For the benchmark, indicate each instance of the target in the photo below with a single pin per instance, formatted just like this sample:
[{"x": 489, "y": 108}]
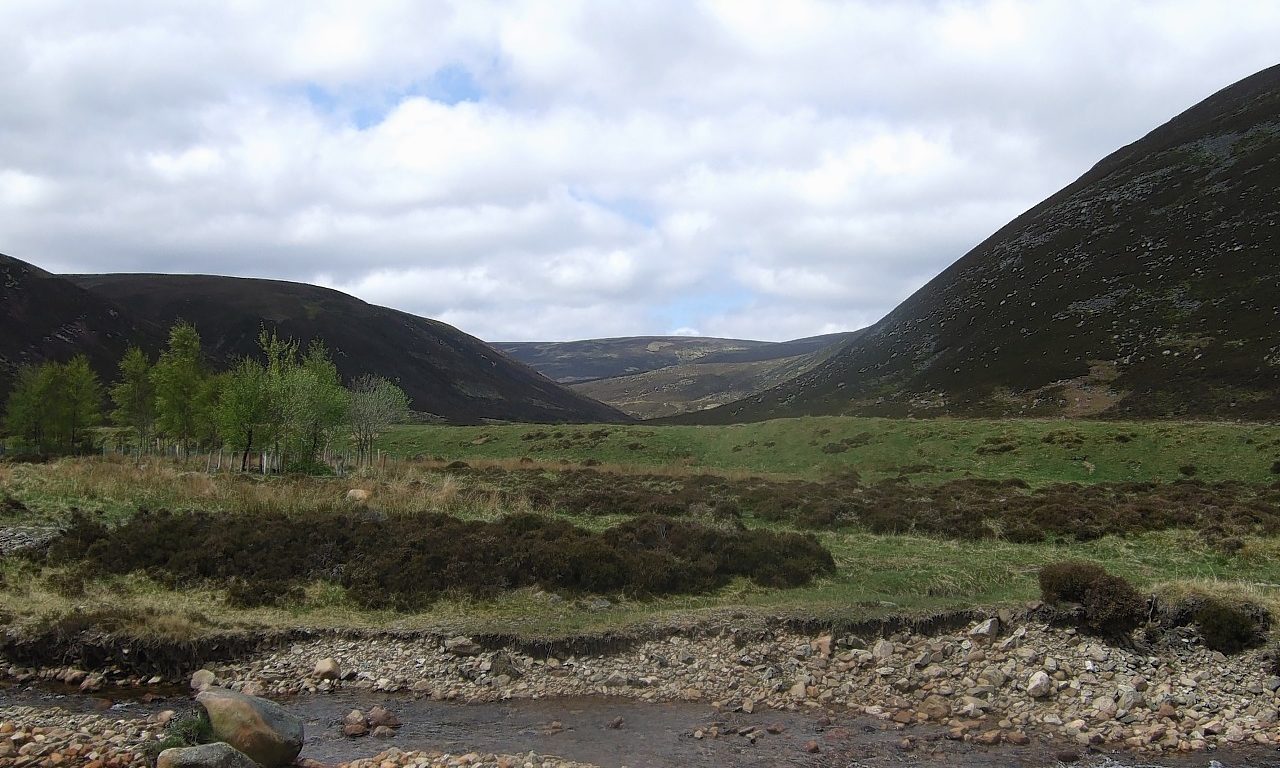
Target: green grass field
[
  {"x": 1038, "y": 452},
  {"x": 876, "y": 574}
]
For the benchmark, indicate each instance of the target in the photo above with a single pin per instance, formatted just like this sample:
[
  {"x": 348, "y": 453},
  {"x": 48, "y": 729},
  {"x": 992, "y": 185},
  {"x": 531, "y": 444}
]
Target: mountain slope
[
  {"x": 572, "y": 361},
  {"x": 718, "y": 378},
  {"x": 46, "y": 317},
  {"x": 443, "y": 371},
  {"x": 590, "y": 359},
  {"x": 1150, "y": 287}
]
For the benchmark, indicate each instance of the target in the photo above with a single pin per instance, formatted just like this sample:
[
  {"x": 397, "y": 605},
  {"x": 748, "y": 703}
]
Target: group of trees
[{"x": 290, "y": 403}]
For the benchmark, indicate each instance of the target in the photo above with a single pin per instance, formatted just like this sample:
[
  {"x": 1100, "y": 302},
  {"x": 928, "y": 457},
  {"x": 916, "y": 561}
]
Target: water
[{"x": 650, "y": 734}]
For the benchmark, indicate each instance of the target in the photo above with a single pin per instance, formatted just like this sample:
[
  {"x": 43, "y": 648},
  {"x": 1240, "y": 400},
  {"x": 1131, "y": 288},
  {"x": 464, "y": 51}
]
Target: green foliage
[
  {"x": 189, "y": 730},
  {"x": 134, "y": 396},
  {"x": 1109, "y": 603},
  {"x": 242, "y": 408},
  {"x": 179, "y": 377},
  {"x": 53, "y": 406}
]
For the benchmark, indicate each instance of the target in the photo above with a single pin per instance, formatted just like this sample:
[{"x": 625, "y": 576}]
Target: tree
[
  {"x": 318, "y": 404},
  {"x": 134, "y": 396},
  {"x": 375, "y": 405},
  {"x": 243, "y": 407},
  {"x": 52, "y": 406},
  {"x": 178, "y": 376},
  {"x": 27, "y": 411},
  {"x": 81, "y": 401}
]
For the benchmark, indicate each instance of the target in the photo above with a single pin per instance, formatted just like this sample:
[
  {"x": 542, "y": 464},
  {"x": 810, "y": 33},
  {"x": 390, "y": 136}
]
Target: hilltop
[{"x": 1148, "y": 288}]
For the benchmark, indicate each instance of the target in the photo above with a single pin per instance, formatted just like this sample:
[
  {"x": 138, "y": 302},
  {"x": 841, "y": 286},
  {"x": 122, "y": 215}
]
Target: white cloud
[{"x": 572, "y": 169}]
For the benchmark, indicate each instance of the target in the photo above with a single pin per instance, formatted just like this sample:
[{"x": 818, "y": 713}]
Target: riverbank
[{"x": 1014, "y": 682}]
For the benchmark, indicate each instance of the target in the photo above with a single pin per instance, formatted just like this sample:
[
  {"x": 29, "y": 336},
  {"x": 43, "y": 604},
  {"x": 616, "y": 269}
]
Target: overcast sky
[{"x": 558, "y": 170}]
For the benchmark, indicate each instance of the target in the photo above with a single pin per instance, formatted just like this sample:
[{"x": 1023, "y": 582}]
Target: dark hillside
[
  {"x": 1150, "y": 287},
  {"x": 445, "y": 372},
  {"x": 47, "y": 317}
]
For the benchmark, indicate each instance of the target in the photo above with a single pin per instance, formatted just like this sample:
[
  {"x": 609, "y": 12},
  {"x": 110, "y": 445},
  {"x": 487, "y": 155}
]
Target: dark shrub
[
  {"x": 1188, "y": 470},
  {"x": 1232, "y": 627},
  {"x": 1275, "y": 468},
  {"x": 835, "y": 448},
  {"x": 1111, "y": 605},
  {"x": 406, "y": 562}
]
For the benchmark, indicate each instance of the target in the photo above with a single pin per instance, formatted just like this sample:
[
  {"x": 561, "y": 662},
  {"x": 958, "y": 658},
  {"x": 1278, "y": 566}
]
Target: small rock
[
  {"x": 615, "y": 723},
  {"x": 381, "y": 717},
  {"x": 1039, "y": 685},
  {"x": 383, "y": 732},
  {"x": 812, "y": 747},
  {"x": 327, "y": 669},
  {"x": 201, "y": 679},
  {"x": 986, "y": 631},
  {"x": 462, "y": 646}
]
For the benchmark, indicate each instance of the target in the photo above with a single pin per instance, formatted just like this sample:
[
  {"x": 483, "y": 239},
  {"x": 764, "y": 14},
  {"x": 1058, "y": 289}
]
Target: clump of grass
[
  {"x": 1231, "y": 627},
  {"x": 187, "y": 730}
]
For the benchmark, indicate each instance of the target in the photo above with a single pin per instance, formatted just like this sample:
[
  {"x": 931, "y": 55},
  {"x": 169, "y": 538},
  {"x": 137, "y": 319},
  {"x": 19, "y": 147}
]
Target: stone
[
  {"x": 216, "y": 755},
  {"x": 261, "y": 729},
  {"x": 201, "y": 679},
  {"x": 383, "y": 732},
  {"x": 1017, "y": 738},
  {"x": 358, "y": 496},
  {"x": 381, "y": 717},
  {"x": 883, "y": 649},
  {"x": 936, "y": 708},
  {"x": 462, "y": 646},
  {"x": 1105, "y": 706},
  {"x": 327, "y": 669},
  {"x": 1039, "y": 685},
  {"x": 988, "y": 738},
  {"x": 1130, "y": 699},
  {"x": 748, "y": 705},
  {"x": 986, "y": 631},
  {"x": 812, "y": 747}
]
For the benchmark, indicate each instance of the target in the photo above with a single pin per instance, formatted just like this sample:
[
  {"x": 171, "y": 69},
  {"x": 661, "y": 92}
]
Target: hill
[
  {"x": 445, "y": 372},
  {"x": 1148, "y": 288},
  {"x": 573, "y": 361},
  {"x": 716, "y": 379},
  {"x": 46, "y": 317}
]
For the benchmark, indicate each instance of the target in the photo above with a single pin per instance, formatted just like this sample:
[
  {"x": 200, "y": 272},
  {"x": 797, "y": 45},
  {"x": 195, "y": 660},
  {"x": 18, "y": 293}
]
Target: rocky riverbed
[{"x": 1014, "y": 687}]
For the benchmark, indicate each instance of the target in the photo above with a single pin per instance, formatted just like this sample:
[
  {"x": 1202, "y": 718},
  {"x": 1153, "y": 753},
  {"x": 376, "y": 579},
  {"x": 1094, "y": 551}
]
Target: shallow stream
[{"x": 649, "y": 735}]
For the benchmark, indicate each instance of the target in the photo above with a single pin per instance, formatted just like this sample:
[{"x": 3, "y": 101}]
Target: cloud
[{"x": 532, "y": 170}]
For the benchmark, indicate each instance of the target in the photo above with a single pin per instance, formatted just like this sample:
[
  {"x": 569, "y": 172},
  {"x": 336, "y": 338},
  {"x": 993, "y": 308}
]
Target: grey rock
[{"x": 217, "y": 755}]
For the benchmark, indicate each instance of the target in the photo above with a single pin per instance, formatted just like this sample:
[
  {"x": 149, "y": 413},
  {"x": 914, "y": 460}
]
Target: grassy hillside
[
  {"x": 589, "y": 359},
  {"x": 928, "y": 451},
  {"x": 695, "y": 386},
  {"x": 1147, "y": 288}
]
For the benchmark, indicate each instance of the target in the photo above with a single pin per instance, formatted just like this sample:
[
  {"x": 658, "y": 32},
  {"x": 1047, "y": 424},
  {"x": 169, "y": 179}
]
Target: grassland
[
  {"x": 928, "y": 451},
  {"x": 876, "y": 573}
]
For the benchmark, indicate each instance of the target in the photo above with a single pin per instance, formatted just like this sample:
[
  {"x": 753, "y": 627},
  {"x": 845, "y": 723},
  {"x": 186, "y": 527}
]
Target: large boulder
[
  {"x": 261, "y": 729},
  {"x": 218, "y": 755}
]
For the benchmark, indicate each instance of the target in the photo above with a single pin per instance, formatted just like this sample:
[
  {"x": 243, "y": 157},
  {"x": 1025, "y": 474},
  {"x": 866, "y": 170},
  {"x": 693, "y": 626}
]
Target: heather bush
[{"x": 1109, "y": 603}]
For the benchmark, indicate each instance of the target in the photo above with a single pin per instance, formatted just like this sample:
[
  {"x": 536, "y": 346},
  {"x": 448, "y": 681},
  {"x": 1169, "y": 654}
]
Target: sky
[{"x": 560, "y": 170}]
